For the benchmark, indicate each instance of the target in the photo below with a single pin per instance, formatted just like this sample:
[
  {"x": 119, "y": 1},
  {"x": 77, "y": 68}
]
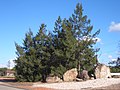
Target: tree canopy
[
  {"x": 70, "y": 45},
  {"x": 116, "y": 65}
]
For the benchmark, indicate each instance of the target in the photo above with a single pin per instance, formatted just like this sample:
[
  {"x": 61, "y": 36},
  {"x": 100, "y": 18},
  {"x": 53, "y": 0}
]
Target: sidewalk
[{"x": 4, "y": 87}]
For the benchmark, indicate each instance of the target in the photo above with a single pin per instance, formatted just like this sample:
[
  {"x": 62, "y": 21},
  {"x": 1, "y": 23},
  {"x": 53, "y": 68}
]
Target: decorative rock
[
  {"x": 53, "y": 79},
  {"x": 102, "y": 71},
  {"x": 70, "y": 75},
  {"x": 116, "y": 76},
  {"x": 79, "y": 80},
  {"x": 92, "y": 78},
  {"x": 84, "y": 75}
]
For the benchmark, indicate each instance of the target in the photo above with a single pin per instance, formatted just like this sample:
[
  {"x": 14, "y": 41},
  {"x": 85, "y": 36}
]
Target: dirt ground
[
  {"x": 28, "y": 85},
  {"x": 24, "y": 85},
  {"x": 112, "y": 87}
]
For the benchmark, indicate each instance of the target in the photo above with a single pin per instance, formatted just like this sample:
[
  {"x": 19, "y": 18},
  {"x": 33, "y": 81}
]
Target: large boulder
[
  {"x": 102, "y": 71},
  {"x": 70, "y": 75},
  {"x": 53, "y": 79},
  {"x": 84, "y": 75}
]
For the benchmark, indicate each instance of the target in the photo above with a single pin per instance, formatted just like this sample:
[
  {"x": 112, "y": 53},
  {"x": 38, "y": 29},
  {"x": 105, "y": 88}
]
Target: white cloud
[
  {"x": 88, "y": 38},
  {"x": 111, "y": 58},
  {"x": 114, "y": 27},
  {"x": 98, "y": 39},
  {"x": 117, "y": 52},
  {"x": 2, "y": 66}
]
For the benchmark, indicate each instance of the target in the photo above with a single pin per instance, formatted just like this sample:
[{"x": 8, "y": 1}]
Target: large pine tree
[
  {"x": 82, "y": 31},
  {"x": 32, "y": 57},
  {"x": 75, "y": 40}
]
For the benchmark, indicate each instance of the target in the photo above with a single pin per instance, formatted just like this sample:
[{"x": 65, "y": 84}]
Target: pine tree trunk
[{"x": 79, "y": 69}]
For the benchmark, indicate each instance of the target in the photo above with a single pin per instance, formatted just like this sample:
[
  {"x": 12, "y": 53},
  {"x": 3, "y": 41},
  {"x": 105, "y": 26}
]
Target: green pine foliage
[
  {"x": 71, "y": 45},
  {"x": 2, "y": 71},
  {"x": 116, "y": 66},
  {"x": 82, "y": 31},
  {"x": 115, "y": 69}
]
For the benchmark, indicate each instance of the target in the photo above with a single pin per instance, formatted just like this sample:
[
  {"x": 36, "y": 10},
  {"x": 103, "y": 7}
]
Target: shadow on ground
[{"x": 7, "y": 80}]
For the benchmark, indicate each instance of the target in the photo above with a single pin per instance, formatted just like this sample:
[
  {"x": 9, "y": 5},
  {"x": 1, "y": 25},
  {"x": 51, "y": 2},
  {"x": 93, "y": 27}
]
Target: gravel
[{"x": 80, "y": 85}]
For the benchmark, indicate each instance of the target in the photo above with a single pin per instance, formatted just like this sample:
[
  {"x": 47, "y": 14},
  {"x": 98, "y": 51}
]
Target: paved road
[{"x": 2, "y": 87}]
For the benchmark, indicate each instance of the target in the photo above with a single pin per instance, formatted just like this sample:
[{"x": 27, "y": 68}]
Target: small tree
[
  {"x": 116, "y": 65},
  {"x": 2, "y": 71},
  {"x": 9, "y": 64}
]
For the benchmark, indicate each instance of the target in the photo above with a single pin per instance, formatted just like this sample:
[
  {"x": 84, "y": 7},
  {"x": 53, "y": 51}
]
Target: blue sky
[{"x": 17, "y": 16}]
